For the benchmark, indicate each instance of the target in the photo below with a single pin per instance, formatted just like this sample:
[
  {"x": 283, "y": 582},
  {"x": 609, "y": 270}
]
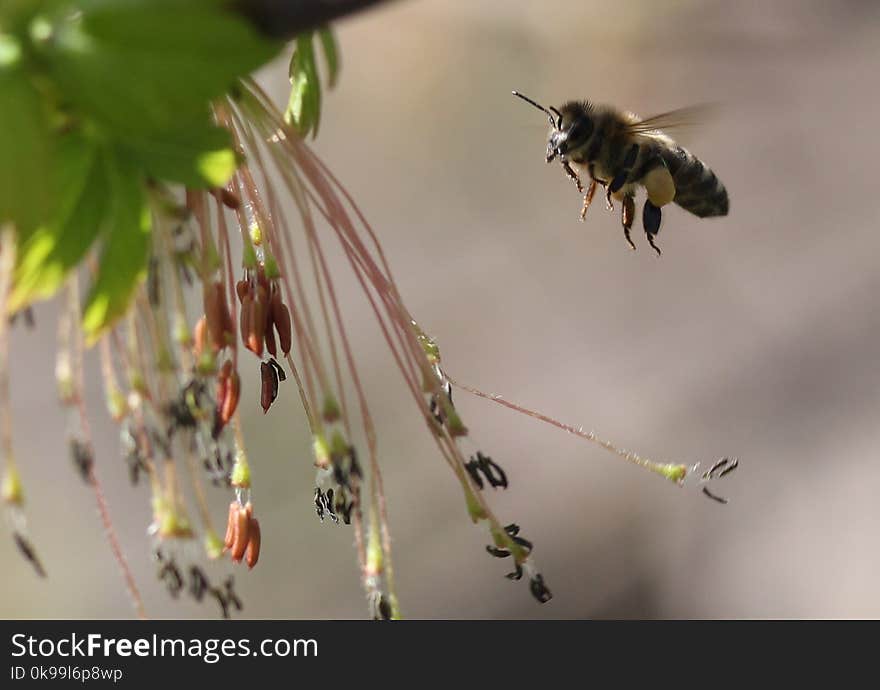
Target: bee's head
[
  {"x": 572, "y": 126},
  {"x": 571, "y": 130}
]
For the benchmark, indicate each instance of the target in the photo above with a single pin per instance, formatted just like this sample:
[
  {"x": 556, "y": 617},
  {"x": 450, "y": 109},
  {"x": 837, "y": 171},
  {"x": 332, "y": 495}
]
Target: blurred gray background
[{"x": 754, "y": 335}]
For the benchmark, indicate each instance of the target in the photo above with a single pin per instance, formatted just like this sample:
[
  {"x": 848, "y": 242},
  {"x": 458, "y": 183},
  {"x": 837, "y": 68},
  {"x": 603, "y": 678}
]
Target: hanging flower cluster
[{"x": 152, "y": 210}]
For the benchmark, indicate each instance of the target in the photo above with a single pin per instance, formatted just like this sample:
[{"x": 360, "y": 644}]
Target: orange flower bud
[
  {"x": 199, "y": 337},
  {"x": 217, "y": 314},
  {"x": 229, "y": 539},
  {"x": 230, "y": 402},
  {"x": 225, "y": 371},
  {"x": 247, "y": 313},
  {"x": 257, "y": 326},
  {"x": 262, "y": 298},
  {"x": 241, "y": 534},
  {"x": 252, "y": 554}
]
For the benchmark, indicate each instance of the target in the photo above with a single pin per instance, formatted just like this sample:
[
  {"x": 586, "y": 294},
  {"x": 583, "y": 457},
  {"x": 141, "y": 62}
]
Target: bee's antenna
[{"x": 554, "y": 122}]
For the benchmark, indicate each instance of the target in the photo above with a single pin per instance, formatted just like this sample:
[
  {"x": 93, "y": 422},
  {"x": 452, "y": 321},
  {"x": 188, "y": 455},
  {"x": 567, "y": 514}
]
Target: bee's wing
[{"x": 673, "y": 120}]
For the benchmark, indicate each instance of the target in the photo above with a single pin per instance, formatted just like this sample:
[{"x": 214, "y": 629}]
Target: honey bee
[{"x": 621, "y": 151}]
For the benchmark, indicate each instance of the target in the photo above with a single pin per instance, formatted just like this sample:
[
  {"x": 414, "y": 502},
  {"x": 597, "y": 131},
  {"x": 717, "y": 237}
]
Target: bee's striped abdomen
[{"x": 697, "y": 189}]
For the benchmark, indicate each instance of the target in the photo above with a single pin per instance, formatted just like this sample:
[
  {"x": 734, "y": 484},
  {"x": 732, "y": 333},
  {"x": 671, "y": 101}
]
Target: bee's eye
[{"x": 579, "y": 131}]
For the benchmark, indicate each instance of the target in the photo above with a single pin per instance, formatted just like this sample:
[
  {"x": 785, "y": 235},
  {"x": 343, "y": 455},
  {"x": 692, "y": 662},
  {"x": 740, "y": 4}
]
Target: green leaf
[
  {"x": 48, "y": 254},
  {"x": 304, "y": 107},
  {"x": 197, "y": 155},
  {"x": 331, "y": 55},
  {"x": 16, "y": 14},
  {"x": 297, "y": 113},
  {"x": 144, "y": 65},
  {"x": 25, "y": 148},
  {"x": 126, "y": 250}
]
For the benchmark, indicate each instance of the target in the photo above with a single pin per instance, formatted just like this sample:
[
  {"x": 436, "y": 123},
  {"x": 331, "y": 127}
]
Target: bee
[{"x": 622, "y": 152}]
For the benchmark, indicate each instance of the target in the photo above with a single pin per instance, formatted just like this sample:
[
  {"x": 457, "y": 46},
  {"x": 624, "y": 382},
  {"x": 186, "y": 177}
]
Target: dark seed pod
[
  {"x": 244, "y": 320},
  {"x": 242, "y": 287},
  {"x": 539, "y": 589},
  {"x": 198, "y": 583},
  {"x": 169, "y": 573},
  {"x": 524, "y": 543},
  {"x": 281, "y": 318},
  {"x": 227, "y": 197},
  {"x": 27, "y": 550},
  {"x": 355, "y": 467},
  {"x": 382, "y": 609},
  {"x": 269, "y": 387},
  {"x": 320, "y": 503},
  {"x": 345, "y": 509},
  {"x": 330, "y": 507},
  {"x": 498, "y": 553},
  {"x": 278, "y": 370},
  {"x": 473, "y": 470},
  {"x": 490, "y": 470},
  {"x": 271, "y": 345},
  {"x": 217, "y": 314},
  {"x": 81, "y": 454},
  {"x": 229, "y": 592}
]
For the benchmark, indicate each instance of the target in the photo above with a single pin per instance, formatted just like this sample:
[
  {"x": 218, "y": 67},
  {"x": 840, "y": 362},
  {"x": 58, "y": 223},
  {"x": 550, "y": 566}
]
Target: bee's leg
[
  {"x": 573, "y": 175},
  {"x": 628, "y": 215},
  {"x": 622, "y": 175},
  {"x": 651, "y": 216},
  {"x": 588, "y": 199}
]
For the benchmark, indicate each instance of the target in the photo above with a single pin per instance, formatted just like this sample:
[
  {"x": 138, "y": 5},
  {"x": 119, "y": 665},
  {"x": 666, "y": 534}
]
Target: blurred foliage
[
  {"x": 98, "y": 100},
  {"x": 304, "y": 107}
]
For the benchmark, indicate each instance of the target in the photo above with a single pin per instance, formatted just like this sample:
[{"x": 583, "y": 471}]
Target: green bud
[
  {"x": 248, "y": 253},
  {"x": 256, "y": 234},
  {"x": 182, "y": 334},
  {"x": 330, "y": 410},
  {"x": 475, "y": 510},
  {"x": 454, "y": 424},
  {"x": 10, "y": 51},
  {"x": 270, "y": 266},
  {"x": 675, "y": 473},
  {"x": 117, "y": 404},
  {"x": 321, "y": 451},
  {"x": 12, "y": 490},
  {"x": 207, "y": 364},
  {"x": 137, "y": 382},
  {"x": 241, "y": 471},
  {"x": 339, "y": 447},
  {"x": 213, "y": 545}
]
